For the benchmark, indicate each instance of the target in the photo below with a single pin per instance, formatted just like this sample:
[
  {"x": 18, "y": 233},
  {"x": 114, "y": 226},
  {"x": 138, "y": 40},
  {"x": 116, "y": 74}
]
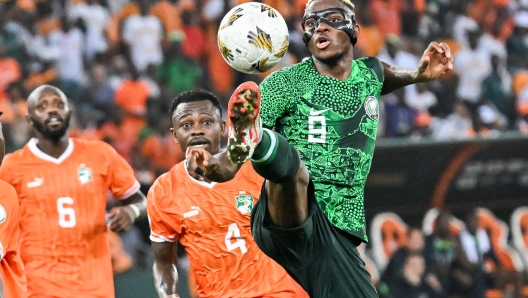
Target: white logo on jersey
[
  {"x": 84, "y": 174},
  {"x": 195, "y": 210},
  {"x": 316, "y": 113},
  {"x": 35, "y": 183},
  {"x": 3, "y": 214},
  {"x": 372, "y": 108}
]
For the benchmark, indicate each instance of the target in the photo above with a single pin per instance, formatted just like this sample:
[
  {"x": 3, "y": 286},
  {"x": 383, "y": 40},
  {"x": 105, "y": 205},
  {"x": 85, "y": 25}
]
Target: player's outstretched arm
[
  {"x": 123, "y": 217},
  {"x": 165, "y": 272},
  {"x": 202, "y": 165},
  {"x": 436, "y": 60}
]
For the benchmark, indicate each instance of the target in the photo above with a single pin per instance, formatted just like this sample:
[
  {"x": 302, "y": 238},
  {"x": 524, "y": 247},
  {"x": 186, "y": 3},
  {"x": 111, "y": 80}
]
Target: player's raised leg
[{"x": 272, "y": 157}]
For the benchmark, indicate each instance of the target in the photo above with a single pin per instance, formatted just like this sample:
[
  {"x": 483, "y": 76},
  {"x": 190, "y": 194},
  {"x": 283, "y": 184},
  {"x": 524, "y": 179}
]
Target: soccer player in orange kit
[
  {"x": 12, "y": 276},
  {"x": 211, "y": 220},
  {"x": 62, "y": 184}
]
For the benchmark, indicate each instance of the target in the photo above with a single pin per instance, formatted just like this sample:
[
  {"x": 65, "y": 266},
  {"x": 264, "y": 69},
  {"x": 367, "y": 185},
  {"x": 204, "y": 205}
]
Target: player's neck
[
  {"x": 339, "y": 70},
  {"x": 52, "y": 148}
]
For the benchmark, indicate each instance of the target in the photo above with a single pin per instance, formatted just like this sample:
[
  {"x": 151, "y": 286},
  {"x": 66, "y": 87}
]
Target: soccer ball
[{"x": 253, "y": 37}]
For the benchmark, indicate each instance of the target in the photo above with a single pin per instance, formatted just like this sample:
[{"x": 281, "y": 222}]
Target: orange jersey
[
  {"x": 11, "y": 267},
  {"x": 62, "y": 201},
  {"x": 211, "y": 220}
]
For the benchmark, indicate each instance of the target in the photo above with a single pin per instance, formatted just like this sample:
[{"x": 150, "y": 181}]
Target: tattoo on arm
[
  {"x": 165, "y": 272},
  {"x": 397, "y": 77}
]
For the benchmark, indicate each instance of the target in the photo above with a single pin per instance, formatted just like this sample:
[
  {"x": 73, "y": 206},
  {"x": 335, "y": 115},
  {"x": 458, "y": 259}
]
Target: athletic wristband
[{"x": 136, "y": 212}]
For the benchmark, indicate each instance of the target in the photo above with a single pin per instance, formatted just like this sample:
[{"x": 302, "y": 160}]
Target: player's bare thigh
[{"x": 288, "y": 201}]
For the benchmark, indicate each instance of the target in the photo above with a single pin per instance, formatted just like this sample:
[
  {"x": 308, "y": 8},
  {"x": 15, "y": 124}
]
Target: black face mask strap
[{"x": 346, "y": 26}]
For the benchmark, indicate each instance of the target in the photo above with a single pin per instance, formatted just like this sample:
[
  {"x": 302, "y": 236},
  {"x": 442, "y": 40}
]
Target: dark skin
[
  {"x": 335, "y": 61},
  {"x": 49, "y": 107},
  {"x": 195, "y": 126},
  {"x": 436, "y": 60}
]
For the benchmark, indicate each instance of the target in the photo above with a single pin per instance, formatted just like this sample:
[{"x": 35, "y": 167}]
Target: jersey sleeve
[
  {"x": 123, "y": 183},
  {"x": 376, "y": 66},
  {"x": 274, "y": 99},
  {"x": 161, "y": 229},
  {"x": 5, "y": 172},
  {"x": 8, "y": 216}
]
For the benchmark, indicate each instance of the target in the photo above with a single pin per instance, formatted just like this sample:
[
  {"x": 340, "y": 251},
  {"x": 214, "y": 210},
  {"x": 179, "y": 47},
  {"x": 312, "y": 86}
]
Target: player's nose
[{"x": 322, "y": 27}]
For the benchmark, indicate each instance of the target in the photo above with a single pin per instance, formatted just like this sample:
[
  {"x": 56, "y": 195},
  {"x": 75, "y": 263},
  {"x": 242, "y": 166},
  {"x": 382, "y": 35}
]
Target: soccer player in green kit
[{"x": 310, "y": 217}]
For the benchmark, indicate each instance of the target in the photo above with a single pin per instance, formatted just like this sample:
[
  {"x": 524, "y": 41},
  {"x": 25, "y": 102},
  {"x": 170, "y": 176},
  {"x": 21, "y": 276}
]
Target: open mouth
[
  {"x": 198, "y": 143},
  {"x": 322, "y": 43},
  {"x": 54, "y": 121}
]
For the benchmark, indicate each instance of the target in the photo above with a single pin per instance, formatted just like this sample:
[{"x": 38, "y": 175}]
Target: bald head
[
  {"x": 41, "y": 91},
  {"x": 49, "y": 113}
]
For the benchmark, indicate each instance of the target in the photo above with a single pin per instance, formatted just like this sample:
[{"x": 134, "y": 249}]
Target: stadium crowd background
[{"x": 120, "y": 62}]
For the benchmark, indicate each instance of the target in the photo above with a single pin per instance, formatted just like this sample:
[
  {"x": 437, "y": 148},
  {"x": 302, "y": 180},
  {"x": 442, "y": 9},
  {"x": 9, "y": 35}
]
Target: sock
[{"x": 274, "y": 158}]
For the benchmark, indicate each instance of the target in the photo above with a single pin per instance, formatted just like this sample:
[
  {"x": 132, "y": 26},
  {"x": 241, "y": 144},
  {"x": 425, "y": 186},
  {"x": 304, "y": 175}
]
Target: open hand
[{"x": 436, "y": 60}]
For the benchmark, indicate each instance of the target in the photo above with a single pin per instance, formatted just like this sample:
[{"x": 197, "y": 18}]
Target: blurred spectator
[
  {"x": 179, "y": 72},
  {"x": 456, "y": 126},
  {"x": 167, "y": 12},
  {"x": 132, "y": 95},
  {"x": 481, "y": 265},
  {"x": 119, "y": 71},
  {"x": 156, "y": 143},
  {"x": 69, "y": 43},
  {"x": 387, "y": 15},
  {"x": 497, "y": 89},
  {"x": 96, "y": 18},
  {"x": 400, "y": 117},
  {"x": 440, "y": 252},
  {"x": 9, "y": 71},
  {"x": 98, "y": 93},
  {"x": 472, "y": 66},
  {"x": 17, "y": 132},
  {"x": 490, "y": 121},
  {"x": 414, "y": 245},
  {"x": 371, "y": 39},
  {"x": 517, "y": 44},
  {"x": 143, "y": 33},
  {"x": 194, "y": 43},
  {"x": 520, "y": 83},
  {"x": 422, "y": 100},
  {"x": 409, "y": 283},
  {"x": 11, "y": 40},
  {"x": 393, "y": 54}
]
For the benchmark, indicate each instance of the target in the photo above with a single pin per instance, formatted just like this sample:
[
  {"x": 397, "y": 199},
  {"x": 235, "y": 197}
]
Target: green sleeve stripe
[{"x": 271, "y": 150}]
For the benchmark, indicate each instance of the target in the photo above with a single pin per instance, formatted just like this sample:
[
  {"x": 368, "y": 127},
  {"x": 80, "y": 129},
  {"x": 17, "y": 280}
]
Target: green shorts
[{"x": 321, "y": 258}]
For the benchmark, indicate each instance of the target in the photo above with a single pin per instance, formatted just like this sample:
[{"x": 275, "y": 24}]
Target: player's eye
[
  {"x": 60, "y": 105},
  {"x": 186, "y": 125},
  {"x": 41, "y": 107},
  {"x": 208, "y": 122},
  {"x": 310, "y": 23}
]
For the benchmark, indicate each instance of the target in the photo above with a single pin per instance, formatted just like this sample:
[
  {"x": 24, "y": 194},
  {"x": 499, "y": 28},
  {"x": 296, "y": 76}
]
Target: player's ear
[
  {"x": 173, "y": 133},
  {"x": 222, "y": 127},
  {"x": 29, "y": 120},
  {"x": 356, "y": 31}
]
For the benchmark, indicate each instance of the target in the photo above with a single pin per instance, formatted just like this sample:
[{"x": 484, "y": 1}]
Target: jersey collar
[
  {"x": 202, "y": 183},
  {"x": 32, "y": 145}
]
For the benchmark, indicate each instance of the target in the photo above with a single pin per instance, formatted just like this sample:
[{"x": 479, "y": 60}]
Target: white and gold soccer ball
[{"x": 253, "y": 37}]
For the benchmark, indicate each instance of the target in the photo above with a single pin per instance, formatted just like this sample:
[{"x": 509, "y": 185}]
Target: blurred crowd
[
  {"x": 454, "y": 258},
  {"x": 121, "y": 61}
]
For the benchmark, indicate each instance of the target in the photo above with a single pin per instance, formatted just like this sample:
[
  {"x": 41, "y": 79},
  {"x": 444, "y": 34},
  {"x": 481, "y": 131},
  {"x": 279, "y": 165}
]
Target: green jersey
[{"x": 333, "y": 124}]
